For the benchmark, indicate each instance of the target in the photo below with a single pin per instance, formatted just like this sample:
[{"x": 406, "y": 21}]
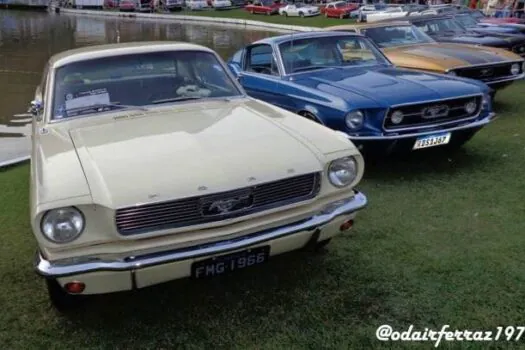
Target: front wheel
[
  {"x": 60, "y": 299},
  {"x": 301, "y": 14}
]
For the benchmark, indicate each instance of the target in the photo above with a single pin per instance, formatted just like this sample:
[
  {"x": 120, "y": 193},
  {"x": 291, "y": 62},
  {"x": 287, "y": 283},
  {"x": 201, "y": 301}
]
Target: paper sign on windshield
[{"x": 87, "y": 99}]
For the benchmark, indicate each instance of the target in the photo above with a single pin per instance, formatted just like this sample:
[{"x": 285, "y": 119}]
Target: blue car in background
[{"x": 343, "y": 81}]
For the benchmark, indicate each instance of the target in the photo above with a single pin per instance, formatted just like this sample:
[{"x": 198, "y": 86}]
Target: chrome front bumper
[
  {"x": 467, "y": 125},
  {"x": 81, "y": 265},
  {"x": 507, "y": 79}
]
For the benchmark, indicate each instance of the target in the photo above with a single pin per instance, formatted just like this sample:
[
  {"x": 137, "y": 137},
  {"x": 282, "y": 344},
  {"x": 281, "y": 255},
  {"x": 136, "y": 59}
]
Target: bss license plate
[
  {"x": 230, "y": 262},
  {"x": 432, "y": 140}
]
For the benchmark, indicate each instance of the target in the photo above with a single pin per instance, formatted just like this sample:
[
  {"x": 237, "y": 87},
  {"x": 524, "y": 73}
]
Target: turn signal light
[
  {"x": 347, "y": 225},
  {"x": 75, "y": 287}
]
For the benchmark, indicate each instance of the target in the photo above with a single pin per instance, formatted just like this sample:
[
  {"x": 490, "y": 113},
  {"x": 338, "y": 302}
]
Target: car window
[
  {"x": 396, "y": 36},
  {"x": 259, "y": 59},
  {"x": 337, "y": 50},
  {"x": 91, "y": 86}
]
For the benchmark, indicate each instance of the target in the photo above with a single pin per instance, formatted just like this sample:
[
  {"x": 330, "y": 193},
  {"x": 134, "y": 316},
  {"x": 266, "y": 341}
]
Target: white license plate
[{"x": 432, "y": 140}]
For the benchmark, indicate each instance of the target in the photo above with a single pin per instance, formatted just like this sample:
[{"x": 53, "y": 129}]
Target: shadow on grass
[{"x": 289, "y": 288}]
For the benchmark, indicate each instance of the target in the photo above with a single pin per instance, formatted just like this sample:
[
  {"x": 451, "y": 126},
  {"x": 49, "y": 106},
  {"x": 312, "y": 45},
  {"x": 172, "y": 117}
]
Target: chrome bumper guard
[
  {"x": 467, "y": 125},
  {"x": 81, "y": 265}
]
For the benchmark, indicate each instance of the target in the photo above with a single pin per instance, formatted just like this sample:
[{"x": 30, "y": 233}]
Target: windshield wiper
[
  {"x": 177, "y": 99},
  {"x": 300, "y": 69},
  {"x": 102, "y": 105}
]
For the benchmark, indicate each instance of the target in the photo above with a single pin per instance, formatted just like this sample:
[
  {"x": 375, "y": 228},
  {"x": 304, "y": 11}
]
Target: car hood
[
  {"x": 374, "y": 87},
  {"x": 193, "y": 150},
  {"x": 472, "y": 38},
  {"x": 445, "y": 56}
]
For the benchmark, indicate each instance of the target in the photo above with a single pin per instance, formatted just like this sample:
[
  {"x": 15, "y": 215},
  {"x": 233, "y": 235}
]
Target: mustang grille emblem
[
  {"x": 435, "y": 112},
  {"x": 227, "y": 205},
  {"x": 486, "y": 72}
]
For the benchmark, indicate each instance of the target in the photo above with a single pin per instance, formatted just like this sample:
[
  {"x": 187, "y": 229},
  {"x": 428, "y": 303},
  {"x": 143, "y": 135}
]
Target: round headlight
[
  {"x": 354, "y": 120},
  {"x": 470, "y": 107},
  {"x": 452, "y": 73},
  {"x": 515, "y": 69},
  {"x": 342, "y": 172},
  {"x": 62, "y": 225},
  {"x": 397, "y": 117}
]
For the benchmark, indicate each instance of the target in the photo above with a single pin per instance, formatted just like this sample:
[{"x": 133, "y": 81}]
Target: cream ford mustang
[{"x": 150, "y": 163}]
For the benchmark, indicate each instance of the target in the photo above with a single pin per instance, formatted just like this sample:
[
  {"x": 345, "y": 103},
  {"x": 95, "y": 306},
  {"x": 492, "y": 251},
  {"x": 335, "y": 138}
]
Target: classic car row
[{"x": 157, "y": 161}]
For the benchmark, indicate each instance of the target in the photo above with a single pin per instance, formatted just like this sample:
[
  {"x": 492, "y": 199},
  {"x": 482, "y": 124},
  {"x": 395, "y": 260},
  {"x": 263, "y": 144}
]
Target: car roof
[
  {"x": 416, "y": 18},
  {"x": 368, "y": 25},
  {"x": 118, "y": 49},
  {"x": 303, "y": 35}
]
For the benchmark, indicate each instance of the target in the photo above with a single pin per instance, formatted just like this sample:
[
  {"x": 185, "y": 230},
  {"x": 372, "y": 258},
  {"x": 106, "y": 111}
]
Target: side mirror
[
  {"x": 35, "y": 108},
  {"x": 235, "y": 69}
]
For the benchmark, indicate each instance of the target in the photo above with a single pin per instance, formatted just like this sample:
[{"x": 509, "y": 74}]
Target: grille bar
[
  {"x": 487, "y": 73},
  {"x": 211, "y": 208}
]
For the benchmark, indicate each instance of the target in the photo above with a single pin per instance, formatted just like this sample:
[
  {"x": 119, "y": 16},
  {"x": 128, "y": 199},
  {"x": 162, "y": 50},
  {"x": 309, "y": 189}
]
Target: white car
[
  {"x": 196, "y": 4},
  {"x": 299, "y": 9},
  {"x": 389, "y": 12},
  {"x": 217, "y": 4}
]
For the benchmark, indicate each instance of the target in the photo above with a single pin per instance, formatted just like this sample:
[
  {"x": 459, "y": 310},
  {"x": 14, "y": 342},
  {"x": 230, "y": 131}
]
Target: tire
[
  {"x": 60, "y": 299},
  {"x": 317, "y": 247},
  {"x": 301, "y": 14},
  {"x": 285, "y": 14}
]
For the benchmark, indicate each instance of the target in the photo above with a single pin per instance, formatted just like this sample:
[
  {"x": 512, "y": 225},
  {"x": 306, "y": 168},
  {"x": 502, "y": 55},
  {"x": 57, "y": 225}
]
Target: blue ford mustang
[{"x": 343, "y": 81}]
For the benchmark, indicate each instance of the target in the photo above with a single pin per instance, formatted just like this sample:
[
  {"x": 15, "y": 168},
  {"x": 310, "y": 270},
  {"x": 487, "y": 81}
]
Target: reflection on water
[{"x": 28, "y": 39}]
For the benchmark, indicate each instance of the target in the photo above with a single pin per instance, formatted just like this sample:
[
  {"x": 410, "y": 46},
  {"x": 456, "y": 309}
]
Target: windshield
[
  {"x": 439, "y": 25},
  {"x": 467, "y": 21},
  {"x": 102, "y": 84},
  {"x": 329, "y": 51},
  {"x": 397, "y": 36}
]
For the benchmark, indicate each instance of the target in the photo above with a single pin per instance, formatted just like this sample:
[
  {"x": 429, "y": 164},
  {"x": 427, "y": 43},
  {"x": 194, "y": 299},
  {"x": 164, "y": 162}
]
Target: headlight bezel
[
  {"x": 359, "y": 113},
  {"x": 334, "y": 180},
  {"x": 515, "y": 69},
  {"x": 48, "y": 214},
  {"x": 452, "y": 73}
]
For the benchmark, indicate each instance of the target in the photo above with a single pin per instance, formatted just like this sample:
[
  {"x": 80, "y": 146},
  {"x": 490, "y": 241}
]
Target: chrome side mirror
[{"x": 35, "y": 108}]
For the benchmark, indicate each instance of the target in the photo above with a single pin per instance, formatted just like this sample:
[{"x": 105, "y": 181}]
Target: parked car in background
[
  {"x": 339, "y": 9},
  {"x": 448, "y": 29},
  {"x": 135, "y": 6},
  {"x": 408, "y": 47},
  {"x": 343, "y": 81},
  {"x": 265, "y": 7},
  {"x": 472, "y": 23},
  {"x": 361, "y": 13},
  {"x": 174, "y": 5},
  {"x": 193, "y": 5},
  {"x": 299, "y": 9},
  {"x": 220, "y": 4},
  {"x": 195, "y": 204}
]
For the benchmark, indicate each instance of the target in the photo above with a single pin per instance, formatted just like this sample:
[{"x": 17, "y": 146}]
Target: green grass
[
  {"x": 440, "y": 243},
  {"x": 316, "y": 21}
]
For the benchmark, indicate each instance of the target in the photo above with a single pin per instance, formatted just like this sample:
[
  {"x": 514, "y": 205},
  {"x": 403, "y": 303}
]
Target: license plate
[
  {"x": 432, "y": 140},
  {"x": 230, "y": 262}
]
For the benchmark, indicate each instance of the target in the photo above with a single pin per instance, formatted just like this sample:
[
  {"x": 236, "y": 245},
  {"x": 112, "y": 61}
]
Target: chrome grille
[
  {"x": 487, "y": 73},
  {"x": 217, "y": 206},
  {"x": 417, "y": 116}
]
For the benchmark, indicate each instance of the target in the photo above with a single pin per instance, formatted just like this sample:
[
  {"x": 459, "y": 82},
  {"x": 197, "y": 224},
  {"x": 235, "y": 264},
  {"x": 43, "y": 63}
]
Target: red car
[
  {"x": 340, "y": 9},
  {"x": 265, "y": 7}
]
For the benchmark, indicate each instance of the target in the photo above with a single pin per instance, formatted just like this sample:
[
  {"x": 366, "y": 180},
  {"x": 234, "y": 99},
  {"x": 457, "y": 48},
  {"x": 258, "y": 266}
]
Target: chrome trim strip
[
  {"x": 478, "y": 123},
  {"x": 55, "y": 269},
  {"x": 514, "y": 77},
  {"x": 436, "y": 100}
]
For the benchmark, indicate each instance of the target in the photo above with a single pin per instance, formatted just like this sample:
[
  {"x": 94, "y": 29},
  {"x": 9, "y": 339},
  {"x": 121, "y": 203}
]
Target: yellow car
[{"x": 409, "y": 47}]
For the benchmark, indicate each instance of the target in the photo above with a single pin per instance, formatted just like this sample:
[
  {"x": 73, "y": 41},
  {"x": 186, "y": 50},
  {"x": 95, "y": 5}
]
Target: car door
[{"x": 260, "y": 74}]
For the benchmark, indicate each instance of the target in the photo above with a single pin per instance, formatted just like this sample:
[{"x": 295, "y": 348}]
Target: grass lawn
[
  {"x": 316, "y": 21},
  {"x": 441, "y": 243}
]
